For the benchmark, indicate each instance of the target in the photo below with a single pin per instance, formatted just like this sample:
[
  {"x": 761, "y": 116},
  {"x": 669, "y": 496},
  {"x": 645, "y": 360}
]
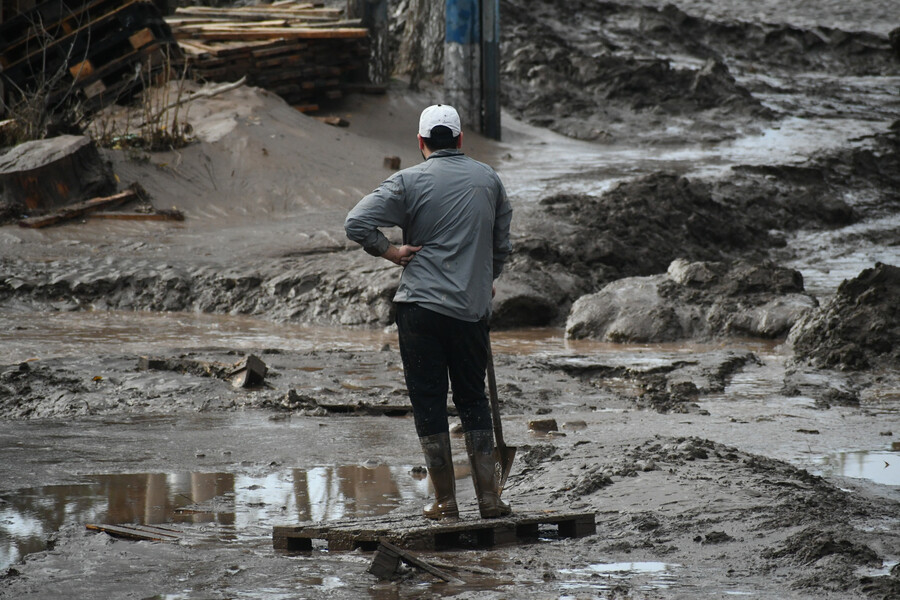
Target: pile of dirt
[
  {"x": 637, "y": 227},
  {"x": 858, "y": 328}
]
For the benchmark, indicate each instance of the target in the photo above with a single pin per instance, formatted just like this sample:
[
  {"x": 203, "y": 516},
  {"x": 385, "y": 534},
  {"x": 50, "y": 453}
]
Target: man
[{"x": 455, "y": 218}]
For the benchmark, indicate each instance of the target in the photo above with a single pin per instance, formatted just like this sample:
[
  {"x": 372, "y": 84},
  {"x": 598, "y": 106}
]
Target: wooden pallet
[{"x": 414, "y": 532}]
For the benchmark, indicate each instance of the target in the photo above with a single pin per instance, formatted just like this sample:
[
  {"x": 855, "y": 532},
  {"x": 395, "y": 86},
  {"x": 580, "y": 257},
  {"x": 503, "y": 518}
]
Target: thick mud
[{"x": 740, "y": 157}]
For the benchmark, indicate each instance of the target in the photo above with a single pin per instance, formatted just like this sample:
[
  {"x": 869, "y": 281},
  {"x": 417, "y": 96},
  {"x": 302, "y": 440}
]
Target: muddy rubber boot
[
  {"x": 485, "y": 474},
  {"x": 439, "y": 460}
]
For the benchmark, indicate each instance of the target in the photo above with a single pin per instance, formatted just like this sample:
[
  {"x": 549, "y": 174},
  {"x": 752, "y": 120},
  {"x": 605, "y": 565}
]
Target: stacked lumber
[
  {"x": 87, "y": 51},
  {"x": 308, "y": 54}
]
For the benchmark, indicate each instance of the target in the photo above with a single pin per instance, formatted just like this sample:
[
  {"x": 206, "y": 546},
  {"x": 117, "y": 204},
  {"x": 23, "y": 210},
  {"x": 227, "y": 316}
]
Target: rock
[
  {"x": 696, "y": 301},
  {"x": 543, "y": 425},
  {"x": 859, "y": 328}
]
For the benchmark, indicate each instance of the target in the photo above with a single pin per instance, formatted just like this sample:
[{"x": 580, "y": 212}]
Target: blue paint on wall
[{"x": 463, "y": 22}]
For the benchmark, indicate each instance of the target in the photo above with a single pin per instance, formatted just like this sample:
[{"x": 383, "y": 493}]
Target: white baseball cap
[{"x": 439, "y": 114}]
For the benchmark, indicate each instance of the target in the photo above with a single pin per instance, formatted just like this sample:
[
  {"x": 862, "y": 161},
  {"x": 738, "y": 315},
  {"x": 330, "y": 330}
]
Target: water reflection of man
[{"x": 455, "y": 218}]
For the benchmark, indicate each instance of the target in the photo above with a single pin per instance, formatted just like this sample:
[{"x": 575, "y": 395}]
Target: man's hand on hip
[{"x": 401, "y": 255}]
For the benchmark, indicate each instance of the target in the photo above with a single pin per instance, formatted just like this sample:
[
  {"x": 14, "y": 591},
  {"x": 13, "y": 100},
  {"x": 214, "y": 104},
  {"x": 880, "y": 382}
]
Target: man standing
[{"x": 455, "y": 218}]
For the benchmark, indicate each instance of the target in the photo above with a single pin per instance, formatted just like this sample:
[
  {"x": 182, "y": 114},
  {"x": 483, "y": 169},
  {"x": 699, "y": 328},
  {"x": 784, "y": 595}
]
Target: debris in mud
[
  {"x": 693, "y": 301},
  {"x": 387, "y": 561},
  {"x": 589, "y": 483},
  {"x": 249, "y": 372},
  {"x": 538, "y": 454},
  {"x": 672, "y": 387},
  {"x": 92, "y": 208},
  {"x": 813, "y": 544},
  {"x": 153, "y": 533},
  {"x": 858, "y": 328},
  {"x": 714, "y": 537},
  {"x": 543, "y": 425}
]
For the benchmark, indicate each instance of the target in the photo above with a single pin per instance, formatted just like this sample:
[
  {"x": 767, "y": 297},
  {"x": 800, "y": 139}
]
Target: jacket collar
[{"x": 445, "y": 152}]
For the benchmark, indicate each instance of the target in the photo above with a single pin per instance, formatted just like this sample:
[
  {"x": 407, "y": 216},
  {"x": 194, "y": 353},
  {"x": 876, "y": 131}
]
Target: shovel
[{"x": 503, "y": 454}]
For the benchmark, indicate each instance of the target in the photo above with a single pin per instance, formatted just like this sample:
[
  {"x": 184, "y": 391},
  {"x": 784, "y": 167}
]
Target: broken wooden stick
[
  {"x": 387, "y": 560},
  {"x": 227, "y": 87},
  {"x": 67, "y": 213}
]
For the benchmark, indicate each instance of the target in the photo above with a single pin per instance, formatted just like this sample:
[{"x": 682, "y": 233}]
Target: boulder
[{"x": 694, "y": 301}]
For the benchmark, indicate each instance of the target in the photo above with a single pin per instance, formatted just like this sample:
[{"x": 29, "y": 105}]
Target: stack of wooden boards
[
  {"x": 94, "y": 52},
  {"x": 306, "y": 53}
]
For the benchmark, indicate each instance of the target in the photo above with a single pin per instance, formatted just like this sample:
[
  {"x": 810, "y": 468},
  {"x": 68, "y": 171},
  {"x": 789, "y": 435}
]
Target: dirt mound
[{"x": 859, "y": 328}]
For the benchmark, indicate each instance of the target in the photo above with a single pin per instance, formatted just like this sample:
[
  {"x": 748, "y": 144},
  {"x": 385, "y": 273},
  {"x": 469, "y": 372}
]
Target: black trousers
[{"x": 435, "y": 347}]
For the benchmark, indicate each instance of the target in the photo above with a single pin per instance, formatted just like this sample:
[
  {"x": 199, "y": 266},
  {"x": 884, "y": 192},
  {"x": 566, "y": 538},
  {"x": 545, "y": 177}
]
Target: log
[
  {"x": 74, "y": 211},
  {"x": 46, "y": 174}
]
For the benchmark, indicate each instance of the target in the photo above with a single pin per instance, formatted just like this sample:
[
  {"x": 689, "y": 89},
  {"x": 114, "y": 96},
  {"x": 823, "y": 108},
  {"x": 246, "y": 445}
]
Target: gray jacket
[{"x": 456, "y": 209}]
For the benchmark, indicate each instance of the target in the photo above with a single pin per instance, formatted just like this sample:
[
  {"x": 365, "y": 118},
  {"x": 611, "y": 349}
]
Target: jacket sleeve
[
  {"x": 502, "y": 220},
  {"x": 384, "y": 207}
]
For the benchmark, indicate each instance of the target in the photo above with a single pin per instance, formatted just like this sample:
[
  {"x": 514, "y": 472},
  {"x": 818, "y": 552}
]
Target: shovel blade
[{"x": 504, "y": 457}]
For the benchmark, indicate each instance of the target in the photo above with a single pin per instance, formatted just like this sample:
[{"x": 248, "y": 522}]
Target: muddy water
[
  {"x": 236, "y": 505},
  {"x": 28, "y": 335},
  {"x": 569, "y": 165}
]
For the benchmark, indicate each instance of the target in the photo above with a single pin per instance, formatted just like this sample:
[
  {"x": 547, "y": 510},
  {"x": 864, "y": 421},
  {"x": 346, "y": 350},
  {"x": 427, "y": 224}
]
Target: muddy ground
[{"x": 758, "y": 143}]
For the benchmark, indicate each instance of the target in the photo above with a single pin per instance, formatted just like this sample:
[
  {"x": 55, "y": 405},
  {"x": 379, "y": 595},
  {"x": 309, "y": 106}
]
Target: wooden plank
[
  {"x": 161, "y": 215},
  {"x": 82, "y": 70},
  {"x": 411, "y": 559},
  {"x": 141, "y": 38},
  {"x": 74, "y": 211},
  {"x": 137, "y": 532},
  {"x": 274, "y": 33}
]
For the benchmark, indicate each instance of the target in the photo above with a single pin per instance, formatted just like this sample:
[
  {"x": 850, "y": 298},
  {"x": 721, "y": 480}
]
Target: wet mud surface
[{"x": 738, "y": 438}]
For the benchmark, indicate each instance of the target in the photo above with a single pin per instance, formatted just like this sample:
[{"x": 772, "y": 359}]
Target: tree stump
[{"x": 40, "y": 176}]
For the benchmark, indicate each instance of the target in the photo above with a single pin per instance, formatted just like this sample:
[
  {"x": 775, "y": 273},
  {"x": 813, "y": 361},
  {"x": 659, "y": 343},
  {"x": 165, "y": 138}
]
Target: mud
[
  {"x": 858, "y": 328},
  {"x": 676, "y": 71},
  {"x": 755, "y": 141}
]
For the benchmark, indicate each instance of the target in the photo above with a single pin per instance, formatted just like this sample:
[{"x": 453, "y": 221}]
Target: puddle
[
  {"x": 605, "y": 576},
  {"x": 244, "y": 506},
  {"x": 879, "y": 466}
]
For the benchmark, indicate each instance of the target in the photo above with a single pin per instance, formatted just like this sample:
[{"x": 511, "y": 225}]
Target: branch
[{"x": 204, "y": 94}]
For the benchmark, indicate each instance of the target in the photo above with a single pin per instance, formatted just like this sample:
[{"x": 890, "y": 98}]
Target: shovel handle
[{"x": 495, "y": 403}]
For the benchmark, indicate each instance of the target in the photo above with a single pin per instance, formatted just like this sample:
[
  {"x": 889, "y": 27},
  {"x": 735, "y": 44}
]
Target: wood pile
[
  {"x": 308, "y": 54},
  {"x": 94, "y": 52}
]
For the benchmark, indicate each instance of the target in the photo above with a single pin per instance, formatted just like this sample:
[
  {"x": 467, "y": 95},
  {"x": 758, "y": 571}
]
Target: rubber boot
[
  {"x": 485, "y": 473},
  {"x": 439, "y": 460}
]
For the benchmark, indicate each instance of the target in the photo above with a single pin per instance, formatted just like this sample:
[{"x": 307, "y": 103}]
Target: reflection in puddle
[
  {"x": 235, "y": 503},
  {"x": 606, "y": 575},
  {"x": 880, "y": 467}
]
